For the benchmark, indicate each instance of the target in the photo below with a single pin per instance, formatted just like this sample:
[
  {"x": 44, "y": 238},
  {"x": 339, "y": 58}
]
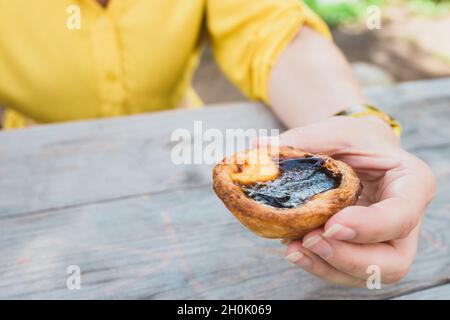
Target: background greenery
[{"x": 337, "y": 12}]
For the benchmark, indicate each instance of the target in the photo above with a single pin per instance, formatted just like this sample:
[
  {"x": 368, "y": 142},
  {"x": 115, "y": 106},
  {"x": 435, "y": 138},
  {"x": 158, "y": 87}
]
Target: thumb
[{"x": 330, "y": 137}]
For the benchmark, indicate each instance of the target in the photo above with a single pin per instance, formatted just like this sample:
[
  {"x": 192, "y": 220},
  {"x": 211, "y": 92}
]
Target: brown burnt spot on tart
[{"x": 298, "y": 181}]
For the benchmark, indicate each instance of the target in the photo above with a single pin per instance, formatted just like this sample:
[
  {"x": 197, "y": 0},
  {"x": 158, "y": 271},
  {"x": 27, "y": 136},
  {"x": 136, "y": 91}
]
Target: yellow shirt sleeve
[{"x": 248, "y": 35}]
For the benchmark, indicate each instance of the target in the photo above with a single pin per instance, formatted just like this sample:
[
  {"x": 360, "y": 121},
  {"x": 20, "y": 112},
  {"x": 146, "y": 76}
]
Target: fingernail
[
  {"x": 339, "y": 232},
  {"x": 299, "y": 259},
  {"x": 294, "y": 256},
  {"x": 319, "y": 246},
  {"x": 308, "y": 243}
]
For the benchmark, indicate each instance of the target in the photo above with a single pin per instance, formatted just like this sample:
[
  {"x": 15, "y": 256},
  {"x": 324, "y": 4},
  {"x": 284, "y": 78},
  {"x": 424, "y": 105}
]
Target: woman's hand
[{"x": 382, "y": 229}]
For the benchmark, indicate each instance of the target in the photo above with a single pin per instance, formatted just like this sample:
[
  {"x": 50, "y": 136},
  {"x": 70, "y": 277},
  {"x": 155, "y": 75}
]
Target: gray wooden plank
[
  {"x": 77, "y": 163},
  {"x": 422, "y": 107},
  {"x": 436, "y": 293},
  {"x": 181, "y": 244},
  {"x": 61, "y": 165}
]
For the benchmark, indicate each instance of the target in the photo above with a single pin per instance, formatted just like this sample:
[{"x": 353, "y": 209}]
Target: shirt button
[{"x": 111, "y": 76}]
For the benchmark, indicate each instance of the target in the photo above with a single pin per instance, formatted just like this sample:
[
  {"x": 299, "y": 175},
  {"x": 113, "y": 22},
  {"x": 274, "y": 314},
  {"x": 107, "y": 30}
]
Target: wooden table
[{"x": 104, "y": 196}]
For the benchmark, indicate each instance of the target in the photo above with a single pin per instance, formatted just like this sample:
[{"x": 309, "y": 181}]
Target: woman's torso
[{"x": 132, "y": 56}]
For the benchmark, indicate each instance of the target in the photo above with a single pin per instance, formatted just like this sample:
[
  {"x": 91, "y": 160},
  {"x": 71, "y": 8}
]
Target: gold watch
[{"x": 367, "y": 110}]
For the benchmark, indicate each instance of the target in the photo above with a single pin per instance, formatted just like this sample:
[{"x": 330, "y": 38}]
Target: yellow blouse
[{"x": 134, "y": 56}]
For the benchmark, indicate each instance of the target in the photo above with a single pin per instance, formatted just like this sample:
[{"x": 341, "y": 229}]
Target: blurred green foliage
[
  {"x": 337, "y": 12},
  {"x": 429, "y": 7}
]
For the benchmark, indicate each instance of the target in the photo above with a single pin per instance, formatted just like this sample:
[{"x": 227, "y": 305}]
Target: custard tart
[{"x": 284, "y": 192}]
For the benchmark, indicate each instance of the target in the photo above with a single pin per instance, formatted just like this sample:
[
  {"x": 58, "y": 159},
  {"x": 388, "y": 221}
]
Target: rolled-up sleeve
[{"x": 248, "y": 35}]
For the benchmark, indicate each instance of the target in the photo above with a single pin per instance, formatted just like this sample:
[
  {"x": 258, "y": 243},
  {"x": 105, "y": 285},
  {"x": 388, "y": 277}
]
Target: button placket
[{"x": 108, "y": 65}]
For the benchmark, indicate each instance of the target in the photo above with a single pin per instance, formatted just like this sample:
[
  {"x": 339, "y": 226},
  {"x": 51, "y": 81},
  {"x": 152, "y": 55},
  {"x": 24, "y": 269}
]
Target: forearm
[{"x": 311, "y": 81}]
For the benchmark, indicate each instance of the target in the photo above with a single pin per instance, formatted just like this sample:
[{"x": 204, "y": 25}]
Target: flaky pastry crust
[{"x": 281, "y": 223}]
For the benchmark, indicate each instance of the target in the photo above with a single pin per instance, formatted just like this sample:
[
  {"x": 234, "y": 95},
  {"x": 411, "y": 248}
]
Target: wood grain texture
[
  {"x": 104, "y": 195},
  {"x": 182, "y": 244},
  {"x": 63, "y": 165},
  {"x": 436, "y": 293}
]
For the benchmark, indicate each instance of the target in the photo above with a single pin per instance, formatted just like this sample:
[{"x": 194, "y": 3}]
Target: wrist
[
  {"x": 376, "y": 115},
  {"x": 376, "y": 120}
]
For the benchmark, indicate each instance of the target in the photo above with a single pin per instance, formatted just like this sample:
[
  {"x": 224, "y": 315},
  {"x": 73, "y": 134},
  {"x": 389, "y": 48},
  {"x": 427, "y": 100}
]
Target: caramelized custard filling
[{"x": 299, "y": 180}]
